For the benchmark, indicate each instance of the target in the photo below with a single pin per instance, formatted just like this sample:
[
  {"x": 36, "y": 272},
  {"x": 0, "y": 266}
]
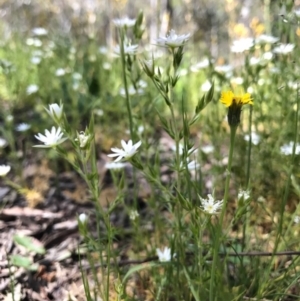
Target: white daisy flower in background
[
  {"x": 173, "y": 40},
  {"x": 60, "y": 72},
  {"x": 128, "y": 151},
  {"x": 254, "y": 61},
  {"x": 128, "y": 49},
  {"x": 124, "y": 22},
  {"x": 23, "y": 127},
  {"x": 35, "y": 60},
  {"x": 92, "y": 58},
  {"x": 77, "y": 76},
  {"x": 181, "y": 149},
  {"x": 165, "y": 255},
  {"x": 182, "y": 72},
  {"x": 4, "y": 170},
  {"x": 191, "y": 165},
  {"x": 292, "y": 85},
  {"x": 201, "y": 65},
  {"x": 237, "y": 80},
  {"x": 255, "y": 138},
  {"x": 131, "y": 91},
  {"x": 34, "y": 42},
  {"x": 99, "y": 112},
  {"x": 284, "y": 48},
  {"x": 266, "y": 39},
  {"x": 261, "y": 199},
  {"x": 206, "y": 86},
  {"x": 287, "y": 149},
  {"x": 31, "y": 89},
  {"x": 3, "y": 142},
  {"x": 297, "y": 219},
  {"x": 224, "y": 69},
  {"x": 250, "y": 90},
  {"x": 133, "y": 215},
  {"x": 267, "y": 56},
  {"x": 9, "y": 118},
  {"x": 142, "y": 84},
  {"x": 51, "y": 139},
  {"x": 38, "y": 52},
  {"x": 242, "y": 45},
  {"x": 40, "y": 31},
  {"x": 103, "y": 50},
  {"x": 244, "y": 195},
  {"x": 274, "y": 70},
  {"x": 106, "y": 66},
  {"x": 207, "y": 149},
  {"x": 141, "y": 129},
  {"x": 210, "y": 205},
  {"x": 55, "y": 111},
  {"x": 82, "y": 218}
]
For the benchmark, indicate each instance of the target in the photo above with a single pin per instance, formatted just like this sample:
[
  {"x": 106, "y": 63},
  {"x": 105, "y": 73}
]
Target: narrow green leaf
[
  {"x": 29, "y": 243},
  {"x": 138, "y": 268},
  {"x": 24, "y": 262}
]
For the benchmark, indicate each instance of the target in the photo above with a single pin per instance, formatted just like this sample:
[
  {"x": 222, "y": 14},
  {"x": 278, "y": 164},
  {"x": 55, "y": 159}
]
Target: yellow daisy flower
[
  {"x": 228, "y": 98},
  {"x": 234, "y": 104}
]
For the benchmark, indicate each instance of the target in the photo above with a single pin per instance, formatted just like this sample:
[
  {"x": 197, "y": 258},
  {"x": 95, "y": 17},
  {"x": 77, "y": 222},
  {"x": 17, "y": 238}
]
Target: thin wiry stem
[
  {"x": 219, "y": 228},
  {"x": 128, "y": 102}
]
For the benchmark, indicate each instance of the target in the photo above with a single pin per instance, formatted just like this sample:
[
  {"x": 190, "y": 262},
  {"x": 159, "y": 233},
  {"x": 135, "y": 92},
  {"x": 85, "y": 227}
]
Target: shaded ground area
[
  {"x": 54, "y": 226},
  {"x": 47, "y": 212}
]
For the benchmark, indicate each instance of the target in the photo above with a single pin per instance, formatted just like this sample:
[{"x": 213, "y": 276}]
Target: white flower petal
[{"x": 127, "y": 152}]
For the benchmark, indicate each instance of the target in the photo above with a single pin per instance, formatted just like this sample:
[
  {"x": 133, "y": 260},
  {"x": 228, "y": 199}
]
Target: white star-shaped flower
[
  {"x": 4, "y": 170},
  {"x": 23, "y": 127},
  {"x": 125, "y": 22},
  {"x": 3, "y": 142},
  {"x": 39, "y": 31},
  {"x": 255, "y": 138},
  {"x": 266, "y": 39},
  {"x": 51, "y": 139},
  {"x": 129, "y": 150},
  {"x": 55, "y": 111},
  {"x": 287, "y": 149},
  {"x": 244, "y": 195},
  {"x": 210, "y": 205},
  {"x": 284, "y": 48},
  {"x": 165, "y": 255},
  {"x": 191, "y": 165},
  {"x": 128, "y": 49},
  {"x": 32, "y": 89},
  {"x": 173, "y": 40},
  {"x": 242, "y": 45}
]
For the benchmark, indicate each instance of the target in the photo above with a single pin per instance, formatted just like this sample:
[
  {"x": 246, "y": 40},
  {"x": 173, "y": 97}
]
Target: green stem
[
  {"x": 219, "y": 228},
  {"x": 247, "y": 176},
  {"x": 13, "y": 185},
  {"x": 128, "y": 103},
  {"x": 249, "y": 150},
  {"x": 225, "y": 200}
]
